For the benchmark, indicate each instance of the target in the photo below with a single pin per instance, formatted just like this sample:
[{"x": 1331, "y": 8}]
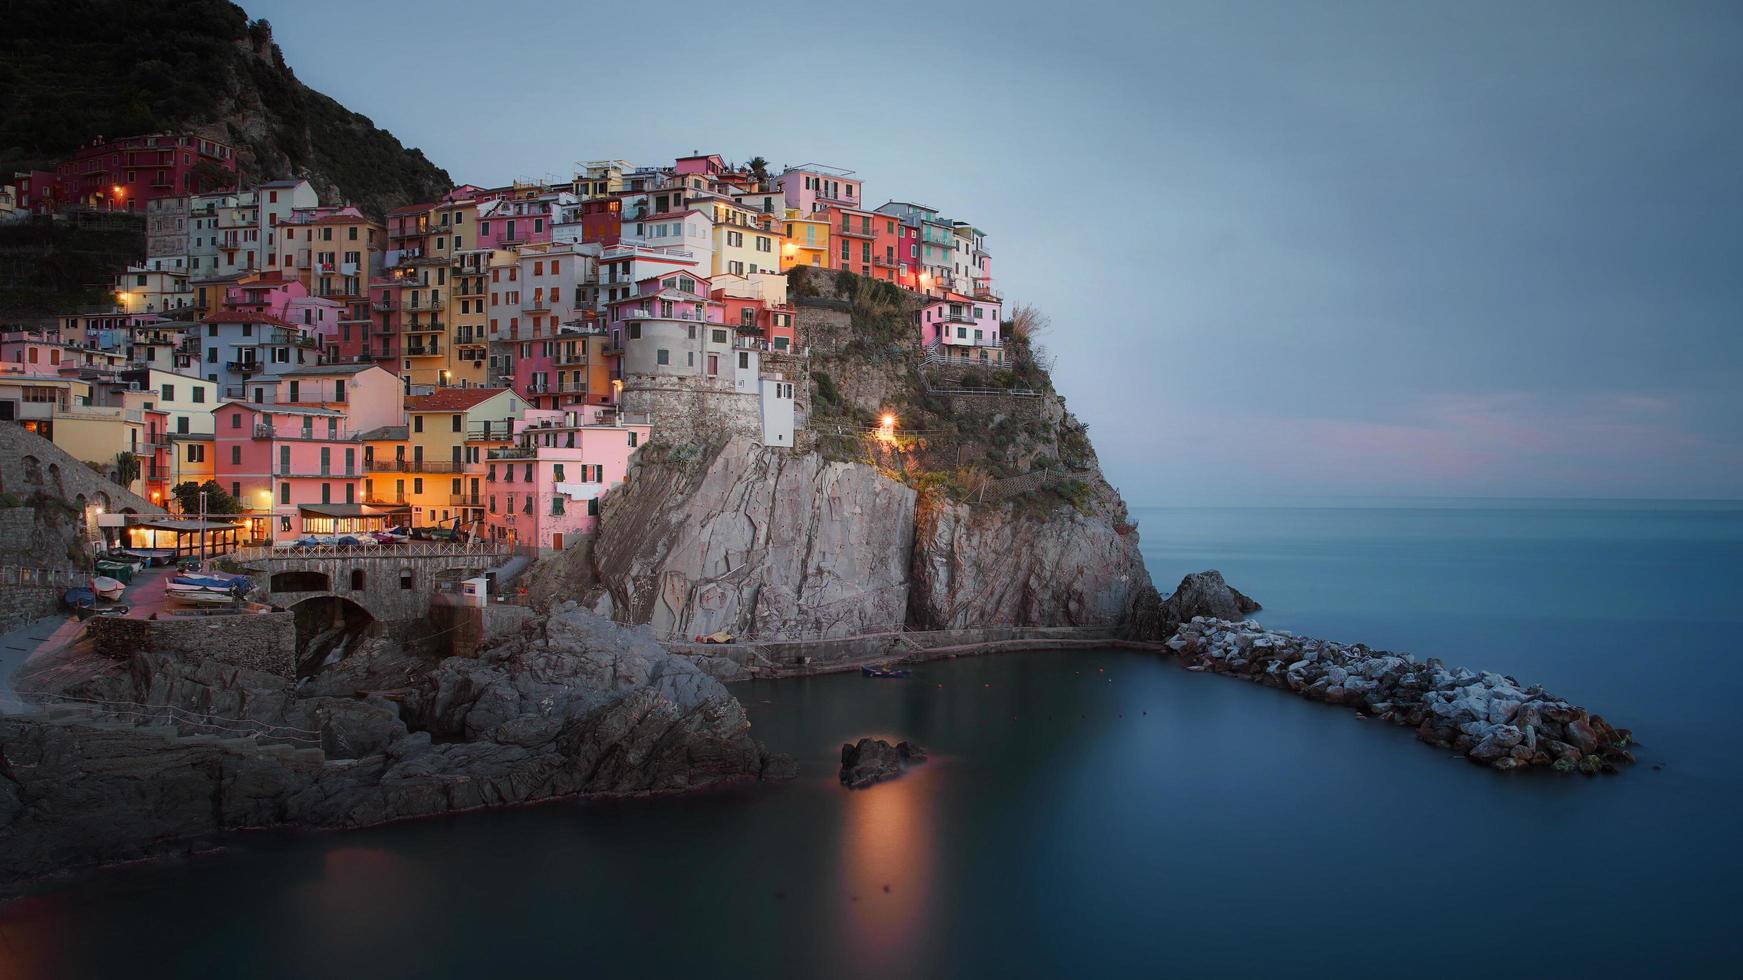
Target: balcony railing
[
  {"x": 312, "y": 472},
  {"x": 244, "y": 367},
  {"x": 419, "y": 350},
  {"x": 512, "y": 452},
  {"x": 412, "y": 466},
  {"x": 466, "y": 500},
  {"x": 489, "y": 431}
]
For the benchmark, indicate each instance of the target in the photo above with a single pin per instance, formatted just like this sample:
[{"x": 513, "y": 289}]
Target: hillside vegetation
[{"x": 71, "y": 70}]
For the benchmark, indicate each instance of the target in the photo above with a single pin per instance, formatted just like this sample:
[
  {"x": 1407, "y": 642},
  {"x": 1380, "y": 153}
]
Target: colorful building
[{"x": 125, "y": 174}]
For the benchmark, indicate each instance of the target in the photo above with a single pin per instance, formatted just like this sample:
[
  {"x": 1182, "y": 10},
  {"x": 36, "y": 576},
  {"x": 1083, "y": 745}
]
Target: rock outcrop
[
  {"x": 1488, "y": 718},
  {"x": 873, "y": 760},
  {"x": 573, "y": 705}
]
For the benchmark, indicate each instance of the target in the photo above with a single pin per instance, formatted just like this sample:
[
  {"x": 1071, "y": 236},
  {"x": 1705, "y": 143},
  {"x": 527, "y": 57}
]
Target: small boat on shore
[
  {"x": 106, "y": 588},
  {"x": 194, "y": 595},
  {"x": 894, "y": 673}
]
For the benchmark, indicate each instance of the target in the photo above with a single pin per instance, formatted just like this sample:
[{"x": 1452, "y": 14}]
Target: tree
[
  {"x": 126, "y": 468},
  {"x": 759, "y": 168},
  {"x": 1028, "y": 321},
  {"x": 217, "y": 500}
]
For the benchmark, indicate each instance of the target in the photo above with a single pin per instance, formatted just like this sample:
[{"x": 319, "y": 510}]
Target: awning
[
  {"x": 188, "y": 527},
  {"x": 353, "y": 510}
]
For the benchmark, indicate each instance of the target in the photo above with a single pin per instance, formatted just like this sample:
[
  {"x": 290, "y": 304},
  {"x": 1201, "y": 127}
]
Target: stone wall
[
  {"x": 258, "y": 641},
  {"x": 31, "y": 464},
  {"x": 21, "y": 604},
  {"x": 693, "y": 410}
]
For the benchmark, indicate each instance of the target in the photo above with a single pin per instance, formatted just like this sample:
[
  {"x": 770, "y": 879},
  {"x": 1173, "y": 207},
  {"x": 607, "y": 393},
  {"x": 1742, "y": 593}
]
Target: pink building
[
  {"x": 296, "y": 468},
  {"x": 961, "y": 327},
  {"x": 544, "y": 491},
  {"x": 811, "y": 187}
]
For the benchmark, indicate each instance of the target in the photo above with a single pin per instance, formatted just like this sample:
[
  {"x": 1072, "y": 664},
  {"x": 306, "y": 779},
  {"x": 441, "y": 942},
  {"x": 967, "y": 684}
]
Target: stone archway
[{"x": 327, "y": 624}]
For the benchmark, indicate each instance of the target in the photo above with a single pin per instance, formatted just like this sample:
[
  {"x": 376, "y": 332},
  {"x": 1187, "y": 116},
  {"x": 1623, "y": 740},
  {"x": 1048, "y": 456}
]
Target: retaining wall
[{"x": 257, "y": 641}]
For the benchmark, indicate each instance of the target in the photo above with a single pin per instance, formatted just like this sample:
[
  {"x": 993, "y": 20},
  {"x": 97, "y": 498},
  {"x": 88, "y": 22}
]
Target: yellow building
[
  {"x": 745, "y": 241},
  {"x": 446, "y": 430},
  {"x": 191, "y": 460},
  {"x": 807, "y": 241},
  {"x": 469, "y": 313}
]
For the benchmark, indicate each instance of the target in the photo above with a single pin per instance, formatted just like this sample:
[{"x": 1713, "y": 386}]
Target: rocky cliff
[
  {"x": 563, "y": 706},
  {"x": 985, "y": 507}
]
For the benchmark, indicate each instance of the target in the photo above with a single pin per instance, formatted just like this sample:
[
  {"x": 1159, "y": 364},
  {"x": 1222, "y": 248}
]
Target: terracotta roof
[{"x": 451, "y": 399}]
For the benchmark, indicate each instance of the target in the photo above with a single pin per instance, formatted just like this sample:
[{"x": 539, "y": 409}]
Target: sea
[{"x": 1090, "y": 813}]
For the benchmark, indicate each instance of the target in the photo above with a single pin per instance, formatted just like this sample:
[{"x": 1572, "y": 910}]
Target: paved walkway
[{"x": 143, "y": 597}]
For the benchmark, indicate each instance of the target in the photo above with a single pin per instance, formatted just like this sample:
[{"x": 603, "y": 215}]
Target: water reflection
[{"x": 889, "y": 834}]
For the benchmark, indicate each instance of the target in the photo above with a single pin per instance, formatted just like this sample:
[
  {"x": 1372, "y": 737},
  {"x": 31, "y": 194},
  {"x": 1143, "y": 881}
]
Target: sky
[{"x": 1340, "y": 249}]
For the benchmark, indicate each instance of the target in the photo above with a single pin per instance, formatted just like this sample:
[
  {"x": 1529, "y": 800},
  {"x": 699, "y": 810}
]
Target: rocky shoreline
[
  {"x": 566, "y": 706},
  {"x": 1490, "y": 719}
]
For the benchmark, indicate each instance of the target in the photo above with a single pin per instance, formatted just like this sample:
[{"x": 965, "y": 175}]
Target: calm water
[{"x": 1090, "y": 813}]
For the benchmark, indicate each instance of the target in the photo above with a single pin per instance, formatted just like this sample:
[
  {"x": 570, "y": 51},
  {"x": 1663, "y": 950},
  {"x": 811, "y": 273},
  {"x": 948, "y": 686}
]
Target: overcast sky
[{"x": 1453, "y": 249}]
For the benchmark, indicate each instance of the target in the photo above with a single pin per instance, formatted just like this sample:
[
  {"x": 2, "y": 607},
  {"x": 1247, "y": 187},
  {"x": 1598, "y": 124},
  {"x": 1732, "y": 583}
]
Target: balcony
[
  {"x": 986, "y": 293},
  {"x": 419, "y": 350},
  {"x": 491, "y": 431},
  {"x": 412, "y": 466},
  {"x": 433, "y": 326},
  {"x": 512, "y": 452},
  {"x": 383, "y": 306},
  {"x": 466, "y": 500},
  {"x": 572, "y": 387},
  {"x": 244, "y": 367},
  {"x": 383, "y": 499},
  {"x": 425, "y": 304},
  {"x": 955, "y": 318},
  {"x": 537, "y": 387},
  {"x": 570, "y": 358},
  {"x": 466, "y": 338},
  {"x": 851, "y": 233},
  {"x": 306, "y": 471}
]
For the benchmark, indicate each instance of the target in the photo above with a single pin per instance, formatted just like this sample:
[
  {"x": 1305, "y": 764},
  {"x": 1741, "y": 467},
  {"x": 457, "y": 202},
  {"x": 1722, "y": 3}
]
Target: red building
[
  {"x": 122, "y": 174},
  {"x": 602, "y": 220}
]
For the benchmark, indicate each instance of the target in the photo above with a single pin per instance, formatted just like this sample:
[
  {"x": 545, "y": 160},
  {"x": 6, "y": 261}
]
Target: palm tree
[
  {"x": 126, "y": 468},
  {"x": 759, "y": 168}
]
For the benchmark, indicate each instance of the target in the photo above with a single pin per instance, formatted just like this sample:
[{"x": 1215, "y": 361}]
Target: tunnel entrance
[{"x": 329, "y": 627}]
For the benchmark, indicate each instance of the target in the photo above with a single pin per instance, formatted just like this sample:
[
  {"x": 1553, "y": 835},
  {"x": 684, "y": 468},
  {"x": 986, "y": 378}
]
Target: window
[
  {"x": 235, "y": 455},
  {"x": 557, "y": 473},
  {"x": 417, "y": 423},
  {"x": 169, "y": 392},
  {"x": 456, "y": 423},
  {"x": 719, "y": 336},
  {"x": 406, "y": 578},
  {"x": 235, "y": 420},
  {"x": 199, "y": 395},
  {"x": 662, "y": 356},
  {"x": 284, "y": 493},
  {"x": 357, "y": 580}
]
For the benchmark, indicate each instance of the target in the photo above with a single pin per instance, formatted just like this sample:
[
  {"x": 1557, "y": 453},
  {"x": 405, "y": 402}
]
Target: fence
[
  {"x": 407, "y": 549},
  {"x": 204, "y": 723},
  {"x": 26, "y": 575}
]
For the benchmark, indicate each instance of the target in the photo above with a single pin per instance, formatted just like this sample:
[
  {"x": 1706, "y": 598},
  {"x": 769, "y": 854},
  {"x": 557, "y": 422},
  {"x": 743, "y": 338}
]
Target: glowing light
[
  {"x": 887, "y": 428},
  {"x": 120, "y": 191}
]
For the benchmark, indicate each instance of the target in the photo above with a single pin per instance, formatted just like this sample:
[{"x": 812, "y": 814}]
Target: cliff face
[
  {"x": 757, "y": 542},
  {"x": 988, "y": 509},
  {"x": 991, "y": 567}
]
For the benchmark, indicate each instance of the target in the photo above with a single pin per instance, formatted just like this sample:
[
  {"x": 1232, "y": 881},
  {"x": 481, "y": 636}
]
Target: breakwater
[{"x": 1488, "y": 718}]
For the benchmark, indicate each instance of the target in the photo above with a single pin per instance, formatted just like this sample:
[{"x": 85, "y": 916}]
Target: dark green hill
[{"x": 71, "y": 70}]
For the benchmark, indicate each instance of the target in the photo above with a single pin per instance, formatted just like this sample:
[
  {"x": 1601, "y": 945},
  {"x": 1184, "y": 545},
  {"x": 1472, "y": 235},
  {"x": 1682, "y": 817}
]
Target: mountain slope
[{"x": 71, "y": 70}]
